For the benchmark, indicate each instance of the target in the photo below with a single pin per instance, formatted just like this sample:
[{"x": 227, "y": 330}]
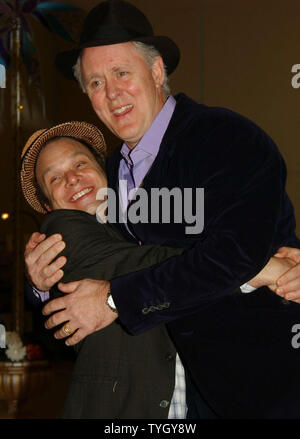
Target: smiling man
[
  {"x": 126, "y": 95},
  {"x": 58, "y": 179},
  {"x": 235, "y": 347},
  {"x": 62, "y": 171}
]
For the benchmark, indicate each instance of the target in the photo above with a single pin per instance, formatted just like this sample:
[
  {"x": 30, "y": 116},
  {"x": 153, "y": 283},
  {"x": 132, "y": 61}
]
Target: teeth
[
  {"x": 81, "y": 193},
  {"x": 122, "y": 109}
]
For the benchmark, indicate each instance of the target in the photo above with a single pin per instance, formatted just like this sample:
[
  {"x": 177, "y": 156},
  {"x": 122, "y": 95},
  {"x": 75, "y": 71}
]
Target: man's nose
[
  {"x": 112, "y": 89},
  {"x": 72, "y": 177}
]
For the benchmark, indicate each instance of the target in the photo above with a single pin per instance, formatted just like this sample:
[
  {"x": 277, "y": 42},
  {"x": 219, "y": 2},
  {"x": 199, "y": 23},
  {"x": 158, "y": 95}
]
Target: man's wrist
[{"x": 265, "y": 276}]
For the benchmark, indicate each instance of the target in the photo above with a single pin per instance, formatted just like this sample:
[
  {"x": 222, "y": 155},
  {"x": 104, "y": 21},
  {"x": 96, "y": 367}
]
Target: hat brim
[
  {"x": 169, "y": 51},
  {"x": 79, "y": 130}
]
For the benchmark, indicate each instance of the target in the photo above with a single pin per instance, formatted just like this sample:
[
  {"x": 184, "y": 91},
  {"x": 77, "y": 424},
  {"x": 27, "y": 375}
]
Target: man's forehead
[
  {"x": 75, "y": 145},
  {"x": 109, "y": 55},
  {"x": 107, "y": 48},
  {"x": 75, "y": 148}
]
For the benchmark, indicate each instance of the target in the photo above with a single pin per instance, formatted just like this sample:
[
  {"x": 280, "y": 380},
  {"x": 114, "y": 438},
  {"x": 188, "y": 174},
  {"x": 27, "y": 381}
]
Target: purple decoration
[{"x": 17, "y": 9}]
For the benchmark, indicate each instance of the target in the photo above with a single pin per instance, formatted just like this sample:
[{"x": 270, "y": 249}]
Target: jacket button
[
  {"x": 164, "y": 404},
  {"x": 169, "y": 357}
]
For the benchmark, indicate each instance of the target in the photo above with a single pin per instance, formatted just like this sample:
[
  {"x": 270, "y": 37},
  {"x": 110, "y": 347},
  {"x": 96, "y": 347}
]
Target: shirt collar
[{"x": 150, "y": 142}]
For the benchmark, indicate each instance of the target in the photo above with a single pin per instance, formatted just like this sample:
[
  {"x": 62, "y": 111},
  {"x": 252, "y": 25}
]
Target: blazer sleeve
[
  {"x": 247, "y": 218},
  {"x": 97, "y": 251}
]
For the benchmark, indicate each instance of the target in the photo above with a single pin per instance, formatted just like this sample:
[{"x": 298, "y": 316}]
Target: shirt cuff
[
  {"x": 112, "y": 303},
  {"x": 246, "y": 288},
  {"x": 42, "y": 295}
]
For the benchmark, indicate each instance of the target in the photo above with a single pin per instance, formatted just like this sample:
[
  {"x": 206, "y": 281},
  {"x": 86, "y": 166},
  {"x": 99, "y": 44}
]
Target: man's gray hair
[{"x": 149, "y": 53}]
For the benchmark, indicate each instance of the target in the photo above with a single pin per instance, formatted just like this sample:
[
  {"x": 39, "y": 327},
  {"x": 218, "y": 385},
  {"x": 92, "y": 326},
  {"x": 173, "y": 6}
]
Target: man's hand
[
  {"x": 288, "y": 285},
  {"x": 268, "y": 276},
  {"x": 39, "y": 253},
  {"x": 84, "y": 308}
]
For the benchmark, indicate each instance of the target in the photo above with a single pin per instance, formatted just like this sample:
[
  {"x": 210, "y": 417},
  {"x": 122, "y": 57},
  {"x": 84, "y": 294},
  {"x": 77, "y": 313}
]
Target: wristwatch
[{"x": 110, "y": 302}]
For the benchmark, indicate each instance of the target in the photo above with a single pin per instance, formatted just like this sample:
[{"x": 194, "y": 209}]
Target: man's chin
[{"x": 91, "y": 209}]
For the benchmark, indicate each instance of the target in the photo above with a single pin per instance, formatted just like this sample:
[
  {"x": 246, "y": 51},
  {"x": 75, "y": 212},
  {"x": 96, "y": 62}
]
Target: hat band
[{"x": 113, "y": 33}]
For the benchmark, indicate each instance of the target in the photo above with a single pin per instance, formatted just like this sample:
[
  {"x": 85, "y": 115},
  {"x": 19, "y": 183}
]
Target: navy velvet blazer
[{"x": 237, "y": 347}]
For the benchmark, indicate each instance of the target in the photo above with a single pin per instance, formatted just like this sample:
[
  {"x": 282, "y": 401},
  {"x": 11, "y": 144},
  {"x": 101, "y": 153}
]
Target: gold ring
[{"x": 67, "y": 330}]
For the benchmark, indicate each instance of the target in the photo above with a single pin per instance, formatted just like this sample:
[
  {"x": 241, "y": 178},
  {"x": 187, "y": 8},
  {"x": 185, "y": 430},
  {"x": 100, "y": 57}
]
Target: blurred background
[{"x": 234, "y": 54}]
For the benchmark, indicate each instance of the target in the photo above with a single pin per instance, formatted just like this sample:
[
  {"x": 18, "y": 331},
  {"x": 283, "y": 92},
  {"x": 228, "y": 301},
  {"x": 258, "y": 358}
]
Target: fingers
[
  {"x": 69, "y": 287},
  {"x": 289, "y": 281},
  {"x": 47, "y": 251},
  {"x": 85, "y": 311},
  {"x": 289, "y": 252},
  {"x": 42, "y": 272},
  {"x": 37, "y": 246},
  {"x": 288, "y": 285},
  {"x": 291, "y": 287},
  {"x": 293, "y": 274},
  {"x": 56, "y": 319},
  {"x": 282, "y": 252},
  {"x": 295, "y": 255},
  {"x": 51, "y": 274},
  {"x": 52, "y": 307},
  {"x": 67, "y": 331},
  {"x": 292, "y": 291},
  {"x": 49, "y": 270},
  {"x": 76, "y": 337},
  {"x": 34, "y": 240},
  {"x": 73, "y": 334}
]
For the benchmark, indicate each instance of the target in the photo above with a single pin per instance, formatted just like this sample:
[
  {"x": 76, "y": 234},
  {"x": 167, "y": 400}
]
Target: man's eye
[
  {"x": 96, "y": 84},
  {"x": 80, "y": 164},
  {"x": 54, "y": 179},
  {"x": 122, "y": 74}
]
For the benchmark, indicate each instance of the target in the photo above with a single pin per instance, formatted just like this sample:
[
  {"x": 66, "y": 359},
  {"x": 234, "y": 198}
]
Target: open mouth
[
  {"x": 122, "y": 110},
  {"x": 81, "y": 193}
]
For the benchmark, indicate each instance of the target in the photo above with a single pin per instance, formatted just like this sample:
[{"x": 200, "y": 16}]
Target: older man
[{"x": 236, "y": 348}]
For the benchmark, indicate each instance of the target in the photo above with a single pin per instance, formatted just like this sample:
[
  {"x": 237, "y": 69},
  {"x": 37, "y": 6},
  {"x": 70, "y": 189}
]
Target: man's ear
[{"x": 158, "y": 71}]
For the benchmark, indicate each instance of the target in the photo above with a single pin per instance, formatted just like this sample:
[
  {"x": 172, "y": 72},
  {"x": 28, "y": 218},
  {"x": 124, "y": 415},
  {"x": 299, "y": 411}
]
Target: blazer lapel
[{"x": 161, "y": 164}]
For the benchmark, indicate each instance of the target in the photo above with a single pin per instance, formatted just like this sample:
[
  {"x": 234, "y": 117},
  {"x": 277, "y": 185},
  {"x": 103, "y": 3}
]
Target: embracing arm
[
  {"x": 244, "y": 203},
  {"x": 93, "y": 251},
  {"x": 97, "y": 251}
]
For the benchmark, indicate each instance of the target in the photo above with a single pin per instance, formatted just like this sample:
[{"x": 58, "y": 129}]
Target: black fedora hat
[{"x": 114, "y": 22}]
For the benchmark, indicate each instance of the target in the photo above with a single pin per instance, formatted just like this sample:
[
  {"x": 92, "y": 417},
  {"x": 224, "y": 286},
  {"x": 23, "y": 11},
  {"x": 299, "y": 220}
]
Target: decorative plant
[
  {"x": 19, "y": 350},
  {"x": 14, "y": 11}
]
